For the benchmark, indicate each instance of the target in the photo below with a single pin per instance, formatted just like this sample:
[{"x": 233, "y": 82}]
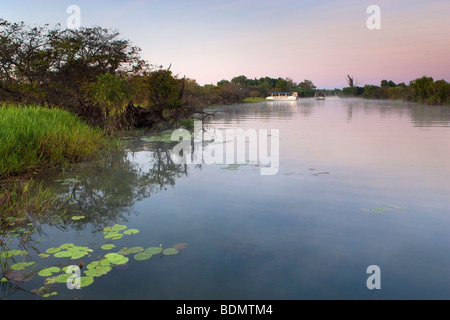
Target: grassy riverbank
[
  {"x": 253, "y": 100},
  {"x": 34, "y": 139}
]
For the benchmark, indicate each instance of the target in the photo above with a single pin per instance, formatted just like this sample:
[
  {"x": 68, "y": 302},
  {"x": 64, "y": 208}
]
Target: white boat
[
  {"x": 283, "y": 96},
  {"x": 319, "y": 96}
]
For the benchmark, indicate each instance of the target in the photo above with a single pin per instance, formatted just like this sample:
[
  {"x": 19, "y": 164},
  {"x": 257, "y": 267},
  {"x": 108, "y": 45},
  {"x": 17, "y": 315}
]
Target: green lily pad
[
  {"x": 98, "y": 268},
  {"x": 67, "y": 246},
  {"x": 76, "y": 218},
  {"x": 115, "y": 228},
  {"x": 143, "y": 256},
  {"x": 116, "y": 258},
  {"x": 170, "y": 251},
  {"x": 49, "y": 271},
  {"x": 108, "y": 247},
  {"x": 154, "y": 250},
  {"x": 62, "y": 278},
  {"x": 75, "y": 252},
  {"x": 113, "y": 236},
  {"x": 21, "y": 265},
  {"x": 126, "y": 251},
  {"x": 131, "y": 231},
  {"x": 43, "y": 255},
  {"x": 53, "y": 250},
  {"x": 86, "y": 281}
]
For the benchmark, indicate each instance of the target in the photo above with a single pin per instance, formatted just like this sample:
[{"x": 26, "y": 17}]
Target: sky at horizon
[{"x": 322, "y": 40}]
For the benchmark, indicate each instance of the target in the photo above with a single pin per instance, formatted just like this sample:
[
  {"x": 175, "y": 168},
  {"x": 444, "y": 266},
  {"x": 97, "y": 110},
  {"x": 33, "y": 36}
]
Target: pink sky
[{"x": 321, "y": 40}]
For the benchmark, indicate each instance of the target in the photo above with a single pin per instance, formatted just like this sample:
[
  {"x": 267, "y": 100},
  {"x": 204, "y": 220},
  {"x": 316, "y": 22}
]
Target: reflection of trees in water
[
  {"x": 106, "y": 191},
  {"x": 419, "y": 114}
]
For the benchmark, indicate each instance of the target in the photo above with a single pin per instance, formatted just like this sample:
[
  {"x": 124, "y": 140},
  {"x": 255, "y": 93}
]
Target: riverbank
[{"x": 33, "y": 139}]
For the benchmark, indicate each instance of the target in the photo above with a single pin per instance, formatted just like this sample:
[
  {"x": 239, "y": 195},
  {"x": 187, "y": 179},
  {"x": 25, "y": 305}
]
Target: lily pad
[
  {"x": 76, "y": 218},
  {"x": 98, "y": 268},
  {"x": 143, "y": 256},
  {"x": 131, "y": 231},
  {"x": 116, "y": 258},
  {"x": 49, "y": 271},
  {"x": 113, "y": 236},
  {"x": 86, "y": 281},
  {"x": 53, "y": 250},
  {"x": 170, "y": 251},
  {"x": 62, "y": 278},
  {"x": 73, "y": 252},
  {"x": 21, "y": 265},
  {"x": 126, "y": 251},
  {"x": 154, "y": 250},
  {"x": 108, "y": 247}
]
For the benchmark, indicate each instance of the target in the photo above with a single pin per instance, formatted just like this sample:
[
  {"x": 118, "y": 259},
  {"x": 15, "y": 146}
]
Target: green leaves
[
  {"x": 116, "y": 258},
  {"x": 55, "y": 275},
  {"x": 69, "y": 250},
  {"x": 108, "y": 247},
  {"x": 47, "y": 272},
  {"x": 148, "y": 253},
  {"x": 113, "y": 233},
  {"x": 170, "y": 251},
  {"x": 21, "y": 265}
]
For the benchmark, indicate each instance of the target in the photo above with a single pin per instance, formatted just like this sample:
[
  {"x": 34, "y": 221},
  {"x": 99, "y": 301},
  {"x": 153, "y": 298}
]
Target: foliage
[
  {"x": 423, "y": 90},
  {"x": 34, "y": 137}
]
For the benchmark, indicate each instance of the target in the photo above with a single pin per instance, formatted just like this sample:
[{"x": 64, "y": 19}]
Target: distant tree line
[
  {"x": 263, "y": 86},
  {"x": 423, "y": 90}
]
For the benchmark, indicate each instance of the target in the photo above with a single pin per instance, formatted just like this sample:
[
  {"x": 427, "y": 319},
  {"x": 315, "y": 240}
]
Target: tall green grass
[{"x": 36, "y": 137}]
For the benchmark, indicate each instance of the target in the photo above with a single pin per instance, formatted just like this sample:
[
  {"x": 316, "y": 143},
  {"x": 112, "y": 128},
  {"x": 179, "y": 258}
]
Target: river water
[{"x": 357, "y": 183}]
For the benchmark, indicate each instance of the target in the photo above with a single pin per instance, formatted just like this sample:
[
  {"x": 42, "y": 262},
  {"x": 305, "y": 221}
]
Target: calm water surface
[{"x": 360, "y": 183}]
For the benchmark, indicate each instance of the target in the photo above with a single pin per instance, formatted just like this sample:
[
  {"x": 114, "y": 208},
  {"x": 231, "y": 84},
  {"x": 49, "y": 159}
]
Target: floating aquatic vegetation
[
  {"x": 86, "y": 281},
  {"x": 143, "y": 256},
  {"x": 69, "y": 250},
  {"x": 76, "y": 218},
  {"x": 21, "y": 265},
  {"x": 180, "y": 246},
  {"x": 53, "y": 250},
  {"x": 116, "y": 258},
  {"x": 47, "y": 272},
  {"x": 55, "y": 275},
  {"x": 131, "y": 231},
  {"x": 154, "y": 250},
  {"x": 108, "y": 247},
  {"x": 113, "y": 232},
  {"x": 170, "y": 251},
  {"x": 148, "y": 253},
  {"x": 126, "y": 251},
  {"x": 44, "y": 292},
  {"x": 98, "y": 268}
]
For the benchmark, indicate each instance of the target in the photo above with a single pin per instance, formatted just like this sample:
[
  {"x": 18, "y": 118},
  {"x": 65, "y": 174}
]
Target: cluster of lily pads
[{"x": 102, "y": 265}]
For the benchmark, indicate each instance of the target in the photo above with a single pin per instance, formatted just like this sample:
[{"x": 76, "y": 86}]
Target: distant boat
[
  {"x": 319, "y": 96},
  {"x": 283, "y": 96}
]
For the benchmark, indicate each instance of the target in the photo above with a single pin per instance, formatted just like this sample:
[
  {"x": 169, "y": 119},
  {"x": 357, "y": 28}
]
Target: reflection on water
[{"x": 361, "y": 183}]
